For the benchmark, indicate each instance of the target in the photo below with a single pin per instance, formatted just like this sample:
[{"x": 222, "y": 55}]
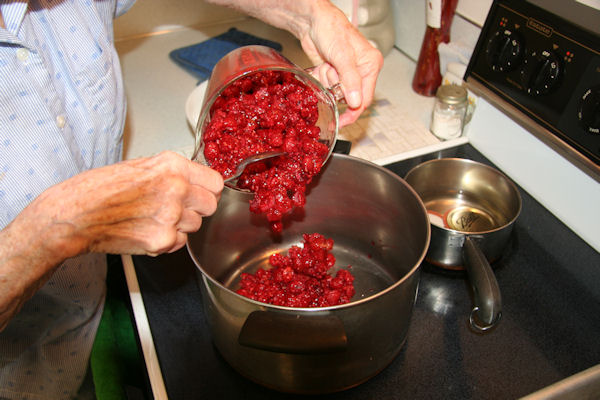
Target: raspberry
[
  {"x": 267, "y": 111},
  {"x": 301, "y": 278}
]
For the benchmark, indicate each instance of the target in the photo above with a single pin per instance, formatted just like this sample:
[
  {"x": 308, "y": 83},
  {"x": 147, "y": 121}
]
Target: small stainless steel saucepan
[{"x": 472, "y": 208}]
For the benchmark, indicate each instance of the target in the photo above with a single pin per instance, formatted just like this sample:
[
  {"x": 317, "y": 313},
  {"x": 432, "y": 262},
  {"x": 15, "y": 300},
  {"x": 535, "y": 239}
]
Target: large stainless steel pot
[
  {"x": 380, "y": 228},
  {"x": 473, "y": 208}
]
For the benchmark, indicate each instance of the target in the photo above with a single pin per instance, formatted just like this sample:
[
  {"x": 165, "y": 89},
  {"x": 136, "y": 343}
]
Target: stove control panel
[{"x": 544, "y": 71}]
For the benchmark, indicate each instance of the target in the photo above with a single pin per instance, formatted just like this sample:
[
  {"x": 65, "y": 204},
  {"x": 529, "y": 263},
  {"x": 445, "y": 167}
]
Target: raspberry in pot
[{"x": 301, "y": 278}]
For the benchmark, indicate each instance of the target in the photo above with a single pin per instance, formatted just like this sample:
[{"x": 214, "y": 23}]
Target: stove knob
[
  {"x": 504, "y": 50},
  {"x": 540, "y": 72},
  {"x": 589, "y": 110}
]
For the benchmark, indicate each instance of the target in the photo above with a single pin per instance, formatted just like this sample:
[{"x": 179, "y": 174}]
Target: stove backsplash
[{"x": 538, "y": 79}]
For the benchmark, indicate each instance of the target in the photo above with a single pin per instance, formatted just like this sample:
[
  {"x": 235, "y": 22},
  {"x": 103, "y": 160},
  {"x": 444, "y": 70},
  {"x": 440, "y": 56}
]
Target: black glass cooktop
[{"x": 550, "y": 284}]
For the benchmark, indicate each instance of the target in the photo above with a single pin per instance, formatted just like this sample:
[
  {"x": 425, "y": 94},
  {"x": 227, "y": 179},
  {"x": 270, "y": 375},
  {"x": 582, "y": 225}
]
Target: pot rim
[
  {"x": 481, "y": 165},
  {"x": 415, "y": 268}
]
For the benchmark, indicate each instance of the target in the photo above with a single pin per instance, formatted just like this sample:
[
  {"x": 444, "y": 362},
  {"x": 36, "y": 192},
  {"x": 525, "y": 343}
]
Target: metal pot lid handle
[{"x": 487, "y": 300}]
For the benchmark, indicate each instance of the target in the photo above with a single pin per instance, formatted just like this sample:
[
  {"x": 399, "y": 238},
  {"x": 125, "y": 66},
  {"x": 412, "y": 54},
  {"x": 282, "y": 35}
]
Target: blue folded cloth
[{"x": 199, "y": 59}]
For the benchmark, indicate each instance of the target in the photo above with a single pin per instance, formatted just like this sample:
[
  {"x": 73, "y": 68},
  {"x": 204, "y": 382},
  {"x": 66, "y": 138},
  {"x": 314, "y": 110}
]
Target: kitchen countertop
[{"x": 157, "y": 88}]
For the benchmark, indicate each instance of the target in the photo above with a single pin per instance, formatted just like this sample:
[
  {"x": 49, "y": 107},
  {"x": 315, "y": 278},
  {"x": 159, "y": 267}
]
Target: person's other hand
[
  {"x": 342, "y": 54},
  {"x": 337, "y": 49},
  {"x": 141, "y": 206}
]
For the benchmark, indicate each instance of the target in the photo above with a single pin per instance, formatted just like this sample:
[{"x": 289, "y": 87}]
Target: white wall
[
  {"x": 156, "y": 15},
  {"x": 410, "y": 23}
]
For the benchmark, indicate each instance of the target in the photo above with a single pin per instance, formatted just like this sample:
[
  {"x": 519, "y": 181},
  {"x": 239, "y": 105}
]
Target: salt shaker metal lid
[{"x": 452, "y": 94}]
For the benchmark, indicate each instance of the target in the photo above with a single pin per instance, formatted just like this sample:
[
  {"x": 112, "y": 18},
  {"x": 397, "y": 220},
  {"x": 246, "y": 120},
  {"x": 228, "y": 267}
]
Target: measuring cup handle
[{"x": 335, "y": 90}]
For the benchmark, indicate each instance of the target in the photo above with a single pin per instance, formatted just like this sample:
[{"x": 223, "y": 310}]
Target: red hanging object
[{"x": 439, "y": 18}]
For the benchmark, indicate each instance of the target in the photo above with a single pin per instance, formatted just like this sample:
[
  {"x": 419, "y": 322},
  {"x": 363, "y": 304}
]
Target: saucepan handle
[
  {"x": 293, "y": 333},
  {"x": 487, "y": 308}
]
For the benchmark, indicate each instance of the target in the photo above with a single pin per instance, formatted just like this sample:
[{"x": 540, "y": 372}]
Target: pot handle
[
  {"x": 295, "y": 334},
  {"x": 487, "y": 308}
]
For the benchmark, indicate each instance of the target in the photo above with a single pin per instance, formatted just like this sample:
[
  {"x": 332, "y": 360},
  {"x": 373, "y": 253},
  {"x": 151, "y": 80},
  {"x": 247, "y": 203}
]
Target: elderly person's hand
[
  {"x": 343, "y": 55},
  {"x": 333, "y": 44},
  {"x": 142, "y": 206}
]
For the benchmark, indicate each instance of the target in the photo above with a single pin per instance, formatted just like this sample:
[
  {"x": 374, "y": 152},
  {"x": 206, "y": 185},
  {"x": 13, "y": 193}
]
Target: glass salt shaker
[{"x": 449, "y": 111}]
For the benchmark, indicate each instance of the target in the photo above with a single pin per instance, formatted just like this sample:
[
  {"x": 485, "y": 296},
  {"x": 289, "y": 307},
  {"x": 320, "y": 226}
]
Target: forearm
[
  {"x": 25, "y": 264},
  {"x": 142, "y": 206},
  {"x": 294, "y": 16},
  {"x": 337, "y": 49}
]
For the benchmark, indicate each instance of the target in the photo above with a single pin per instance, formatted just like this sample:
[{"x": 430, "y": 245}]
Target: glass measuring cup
[{"x": 248, "y": 60}]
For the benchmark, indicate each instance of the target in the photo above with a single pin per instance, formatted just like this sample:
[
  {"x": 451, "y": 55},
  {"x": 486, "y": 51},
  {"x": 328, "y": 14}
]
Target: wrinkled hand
[
  {"x": 332, "y": 43},
  {"x": 142, "y": 206},
  {"x": 343, "y": 55}
]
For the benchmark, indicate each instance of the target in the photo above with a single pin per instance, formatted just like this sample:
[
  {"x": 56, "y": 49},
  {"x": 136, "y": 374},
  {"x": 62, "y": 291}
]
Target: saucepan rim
[{"x": 354, "y": 303}]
